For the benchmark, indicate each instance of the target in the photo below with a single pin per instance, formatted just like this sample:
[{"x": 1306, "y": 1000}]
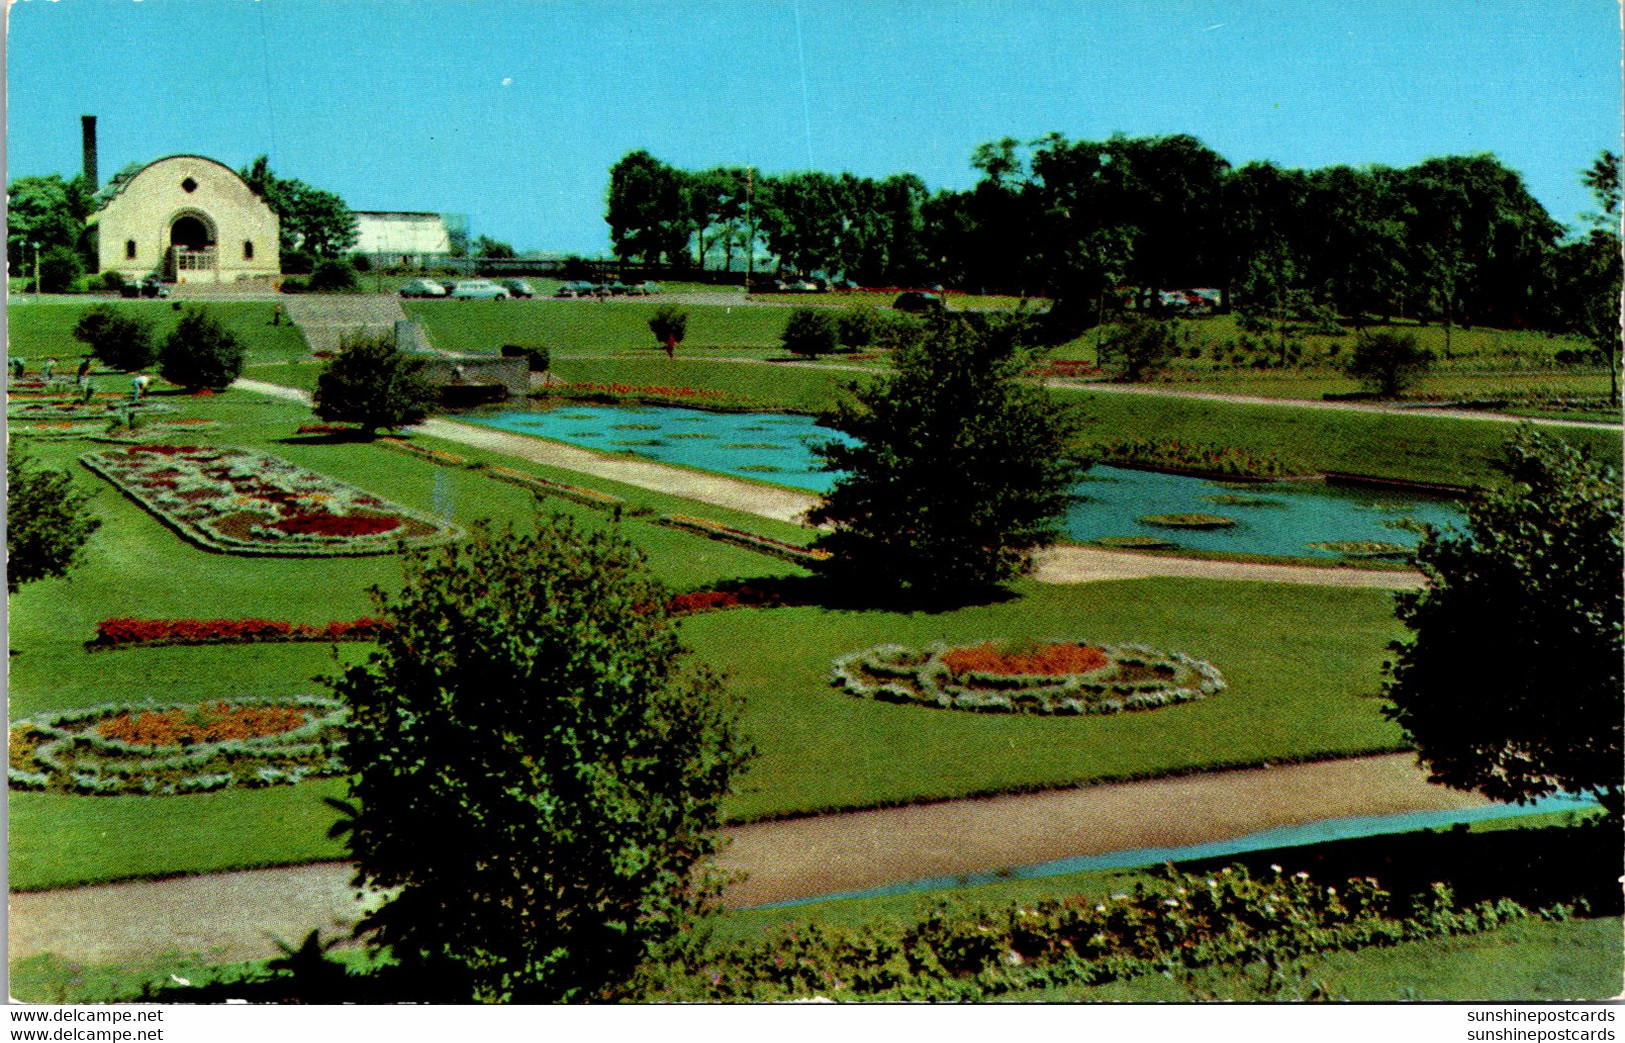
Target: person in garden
[
  {"x": 48, "y": 369},
  {"x": 83, "y": 376},
  {"x": 671, "y": 346},
  {"x": 19, "y": 367}
]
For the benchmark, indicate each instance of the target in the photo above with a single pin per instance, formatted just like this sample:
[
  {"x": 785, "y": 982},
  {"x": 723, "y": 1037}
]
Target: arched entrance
[{"x": 191, "y": 245}]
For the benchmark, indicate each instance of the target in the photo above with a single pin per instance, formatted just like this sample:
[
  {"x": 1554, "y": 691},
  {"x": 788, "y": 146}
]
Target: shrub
[
  {"x": 334, "y": 275},
  {"x": 361, "y": 262},
  {"x": 857, "y": 327},
  {"x": 201, "y": 353},
  {"x": 373, "y": 384},
  {"x": 47, "y": 521},
  {"x": 528, "y": 709},
  {"x": 1387, "y": 362},
  {"x": 295, "y": 285},
  {"x": 1139, "y": 348},
  {"x": 669, "y": 324},
  {"x": 113, "y": 279},
  {"x": 811, "y": 332},
  {"x": 60, "y": 270},
  {"x": 121, "y": 340}
]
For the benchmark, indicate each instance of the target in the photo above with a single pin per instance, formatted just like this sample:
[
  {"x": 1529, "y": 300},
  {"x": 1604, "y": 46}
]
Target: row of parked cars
[
  {"x": 469, "y": 289},
  {"x": 607, "y": 289}
]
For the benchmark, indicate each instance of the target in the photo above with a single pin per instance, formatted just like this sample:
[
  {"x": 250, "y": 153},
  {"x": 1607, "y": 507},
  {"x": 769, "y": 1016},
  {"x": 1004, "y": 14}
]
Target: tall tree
[
  {"x": 45, "y": 212},
  {"x": 1510, "y": 683},
  {"x": 648, "y": 210},
  {"x": 311, "y": 220},
  {"x": 959, "y": 470},
  {"x": 1591, "y": 270},
  {"x": 538, "y": 775}
]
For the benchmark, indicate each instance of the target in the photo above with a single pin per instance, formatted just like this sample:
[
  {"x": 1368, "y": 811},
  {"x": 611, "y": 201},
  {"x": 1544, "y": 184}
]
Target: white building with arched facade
[{"x": 190, "y": 220}]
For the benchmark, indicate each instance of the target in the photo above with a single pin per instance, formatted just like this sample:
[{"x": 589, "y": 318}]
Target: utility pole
[
  {"x": 36, "y": 268},
  {"x": 750, "y": 233}
]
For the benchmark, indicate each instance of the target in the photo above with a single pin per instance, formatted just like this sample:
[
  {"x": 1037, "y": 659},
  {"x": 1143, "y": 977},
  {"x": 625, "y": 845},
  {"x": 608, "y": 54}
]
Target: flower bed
[
  {"x": 739, "y": 537},
  {"x": 125, "y": 632},
  {"x": 1047, "y": 677},
  {"x": 74, "y": 409},
  {"x": 1191, "y": 458},
  {"x": 240, "y": 502},
  {"x": 548, "y": 487},
  {"x": 163, "y": 749},
  {"x": 744, "y": 595},
  {"x": 422, "y": 452}
]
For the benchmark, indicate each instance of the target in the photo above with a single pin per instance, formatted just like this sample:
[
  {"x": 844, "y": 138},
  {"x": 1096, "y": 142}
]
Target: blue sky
[{"x": 512, "y": 112}]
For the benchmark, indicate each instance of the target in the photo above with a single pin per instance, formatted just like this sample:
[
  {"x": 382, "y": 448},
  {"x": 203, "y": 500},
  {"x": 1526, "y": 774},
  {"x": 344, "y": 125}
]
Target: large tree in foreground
[
  {"x": 536, "y": 770},
  {"x": 1511, "y": 681},
  {"x": 959, "y": 471},
  {"x": 372, "y": 383},
  {"x": 47, "y": 521}
]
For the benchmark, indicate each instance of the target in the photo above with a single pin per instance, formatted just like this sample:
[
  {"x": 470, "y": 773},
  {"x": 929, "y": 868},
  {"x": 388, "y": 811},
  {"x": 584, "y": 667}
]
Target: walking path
[
  {"x": 235, "y": 915},
  {"x": 1068, "y": 564}
]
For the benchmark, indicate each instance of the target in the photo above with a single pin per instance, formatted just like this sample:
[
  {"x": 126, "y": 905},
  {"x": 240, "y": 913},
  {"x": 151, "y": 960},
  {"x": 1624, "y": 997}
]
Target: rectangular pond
[{"x": 1287, "y": 518}]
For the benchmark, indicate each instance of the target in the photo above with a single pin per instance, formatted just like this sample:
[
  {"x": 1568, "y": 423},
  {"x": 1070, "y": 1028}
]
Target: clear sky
[{"x": 512, "y": 112}]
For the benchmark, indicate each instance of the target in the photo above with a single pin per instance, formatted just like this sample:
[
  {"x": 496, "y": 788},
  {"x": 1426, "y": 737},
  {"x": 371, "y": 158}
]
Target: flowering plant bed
[
  {"x": 1043, "y": 677},
  {"x": 173, "y": 748},
  {"x": 325, "y": 429},
  {"x": 548, "y": 487},
  {"x": 240, "y": 502},
  {"x": 125, "y": 632},
  {"x": 743, "y": 595},
  {"x": 1189, "y": 521},
  {"x": 400, "y": 445},
  {"x": 739, "y": 537},
  {"x": 74, "y": 409},
  {"x": 1191, "y": 458}
]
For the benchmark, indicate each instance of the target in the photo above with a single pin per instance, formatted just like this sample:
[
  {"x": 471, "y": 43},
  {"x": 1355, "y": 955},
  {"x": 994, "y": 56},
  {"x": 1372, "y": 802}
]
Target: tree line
[{"x": 1455, "y": 239}]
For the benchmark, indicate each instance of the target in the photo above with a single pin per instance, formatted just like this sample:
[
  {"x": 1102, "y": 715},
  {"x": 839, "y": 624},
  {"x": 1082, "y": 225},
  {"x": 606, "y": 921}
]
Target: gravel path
[
  {"x": 1090, "y": 565},
  {"x": 235, "y": 915}
]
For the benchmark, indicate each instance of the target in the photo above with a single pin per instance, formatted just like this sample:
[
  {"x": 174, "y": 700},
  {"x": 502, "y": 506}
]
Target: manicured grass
[
  {"x": 790, "y": 388},
  {"x": 1423, "y": 449},
  {"x": 590, "y": 326},
  {"x": 45, "y": 327}
]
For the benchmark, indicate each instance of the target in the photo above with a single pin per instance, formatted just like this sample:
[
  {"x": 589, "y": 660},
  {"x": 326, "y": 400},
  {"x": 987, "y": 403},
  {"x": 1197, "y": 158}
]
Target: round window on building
[{"x": 189, "y": 185}]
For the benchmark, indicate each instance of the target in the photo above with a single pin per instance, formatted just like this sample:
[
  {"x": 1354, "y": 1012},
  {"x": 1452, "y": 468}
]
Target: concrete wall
[
  {"x": 156, "y": 197},
  {"x": 513, "y": 374}
]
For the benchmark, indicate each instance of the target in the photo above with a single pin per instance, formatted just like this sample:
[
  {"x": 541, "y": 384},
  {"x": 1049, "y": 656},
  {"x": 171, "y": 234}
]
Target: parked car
[
  {"x": 576, "y": 289},
  {"x": 516, "y": 287},
  {"x": 914, "y": 301},
  {"x": 479, "y": 290},
  {"x": 422, "y": 288},
  {"x": 146, "y": 286}
]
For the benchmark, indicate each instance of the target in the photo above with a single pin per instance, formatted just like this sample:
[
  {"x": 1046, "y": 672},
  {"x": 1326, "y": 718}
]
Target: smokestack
[{"x": 89, "y": 125}]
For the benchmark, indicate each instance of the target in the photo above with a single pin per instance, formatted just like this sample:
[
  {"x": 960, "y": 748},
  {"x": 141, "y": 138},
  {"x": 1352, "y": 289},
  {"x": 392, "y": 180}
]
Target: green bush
[
  {"x": 669, "y": 324},
  {"x": 47, "y": 521},
  {"x": 120, "y": 340},
  {"x": 857, "y": 327},
  {"x": 201, "y": 353},
  {"x": 537, "y": 357},
  {"x": 113, "y": 279},
  {"x": 295, "y": 285},
  {"x": 811, "y": 332},
  {"x": 60, "y": 270},
  {"x": 1387, "y": 362},
  {"x": 372, "y": 384},
  {"x": 333, "y": 276}
]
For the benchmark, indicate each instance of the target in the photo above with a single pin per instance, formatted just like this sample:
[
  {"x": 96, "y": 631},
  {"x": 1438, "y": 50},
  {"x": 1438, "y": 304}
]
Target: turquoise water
[
  {"x": 1280, "y": 518},
  {"x": 1286, "y": 836}
]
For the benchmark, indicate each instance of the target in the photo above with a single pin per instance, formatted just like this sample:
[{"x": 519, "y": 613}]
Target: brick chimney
[{"x": 88, "y": 123}]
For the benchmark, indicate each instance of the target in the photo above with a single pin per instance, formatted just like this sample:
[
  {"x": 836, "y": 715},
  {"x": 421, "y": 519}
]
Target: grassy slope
[
  {"x": 590, "y": 327},
  {"x": 40, "y": 328}
]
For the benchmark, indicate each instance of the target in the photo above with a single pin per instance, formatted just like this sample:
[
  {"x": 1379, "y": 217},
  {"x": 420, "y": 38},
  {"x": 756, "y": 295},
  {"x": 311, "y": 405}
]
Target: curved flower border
[
  {"x": 78, "y": 759},
  {"x": 901, "y": 674}
]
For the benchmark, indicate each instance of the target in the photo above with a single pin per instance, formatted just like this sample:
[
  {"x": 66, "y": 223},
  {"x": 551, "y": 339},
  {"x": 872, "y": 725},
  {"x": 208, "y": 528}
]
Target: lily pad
[{"x": 1188, "y": 521}]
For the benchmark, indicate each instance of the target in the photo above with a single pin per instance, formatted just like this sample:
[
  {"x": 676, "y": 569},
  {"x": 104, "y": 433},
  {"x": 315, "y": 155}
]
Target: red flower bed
[
  {"x": 335, "y": 524},
  {"x": 217, "y": 723},
  {"x": 127, "y": 631},
  {"x": 163, "y": 450},
  {"x": 1041, "y": 660},
  {"x": 716, "y": 600}
]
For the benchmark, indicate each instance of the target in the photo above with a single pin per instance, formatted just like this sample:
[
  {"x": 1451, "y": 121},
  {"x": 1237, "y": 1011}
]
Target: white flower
[
  {"x": 1100, "y": 908},
  {"x": 1301, "y": 875},
  {"x": 1212, "y": 882},
  {"x": 1274, "y": 866},
  {"x": 1170, "y": 901},
  {"x": 1331, "y": 890}
]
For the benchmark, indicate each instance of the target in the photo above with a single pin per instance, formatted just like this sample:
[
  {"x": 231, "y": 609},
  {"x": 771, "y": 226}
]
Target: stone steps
[{"x": 326, "y": 318}]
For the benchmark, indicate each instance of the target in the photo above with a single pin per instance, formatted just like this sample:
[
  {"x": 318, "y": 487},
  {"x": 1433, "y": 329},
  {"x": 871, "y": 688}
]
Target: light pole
[
  {"x": 750, "y": 232},
  {"x": 36, "y": 268}
]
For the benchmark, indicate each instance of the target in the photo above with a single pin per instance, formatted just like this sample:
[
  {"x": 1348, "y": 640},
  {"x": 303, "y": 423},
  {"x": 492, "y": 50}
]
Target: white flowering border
[
  {"x": 193, "y": 520},
  {"x": 99, "y": 409},
  {"x": 78, "y": 759},
  {"x": 900, "y": 674}
]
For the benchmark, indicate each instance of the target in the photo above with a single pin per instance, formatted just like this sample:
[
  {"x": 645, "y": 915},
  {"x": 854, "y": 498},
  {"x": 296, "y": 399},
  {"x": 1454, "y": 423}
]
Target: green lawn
[
  {"x": 790, "y": 388},
  {"x": 591, "y": 326},
  {"x": 38, "y": 328}
]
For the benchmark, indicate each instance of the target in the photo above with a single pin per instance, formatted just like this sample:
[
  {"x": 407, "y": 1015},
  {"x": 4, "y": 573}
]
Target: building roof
[{"x": 163, "y": 159}]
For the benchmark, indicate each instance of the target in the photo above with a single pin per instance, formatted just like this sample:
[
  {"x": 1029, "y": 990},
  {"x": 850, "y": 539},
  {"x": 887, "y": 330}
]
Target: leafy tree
[
  {"x": 1592, "y": 267},
  {"x": 372, "y": 383},
  {"x": 46, "y": 212},
  {"x": 200, "y": 353},
  {"x": 487, "y": 248},
  {"x": 1510, "y": 683},
  {"x": 537, "y": 773},
  {"x": 333, "y": 275},
  {"x": 857, "y": 327},
  {"x": 811, "y": 332},
  {"x": 648, "y": 209},
  {"x": 669, "y": 324},
  {"x": 120, "y": 340},
  {"x": 312, "y": 221},
  {"x": 960, "y": 469},
  {"x": 1138, "y": 348},
  {"x": 60, "y": 269},
  {"x": 1387, "y": 362},
  {"x": 47, "y": 521}
]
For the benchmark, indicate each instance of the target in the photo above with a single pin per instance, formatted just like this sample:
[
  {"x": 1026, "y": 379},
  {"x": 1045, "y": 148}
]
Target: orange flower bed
[
  {"x": 1039, "y": 660},
  {"x": 217, "y": 723}
]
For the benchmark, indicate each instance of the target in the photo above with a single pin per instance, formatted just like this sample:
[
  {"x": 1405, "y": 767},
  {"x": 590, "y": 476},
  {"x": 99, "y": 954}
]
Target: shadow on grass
[{"x": 821, "y": 592}]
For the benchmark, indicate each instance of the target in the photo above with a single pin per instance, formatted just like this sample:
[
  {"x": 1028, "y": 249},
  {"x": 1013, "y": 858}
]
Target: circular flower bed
[
  {"x": 1189, "y": 521},
  {"x": 1047, "y": 677},
  {"x": 174, "y": 748}
]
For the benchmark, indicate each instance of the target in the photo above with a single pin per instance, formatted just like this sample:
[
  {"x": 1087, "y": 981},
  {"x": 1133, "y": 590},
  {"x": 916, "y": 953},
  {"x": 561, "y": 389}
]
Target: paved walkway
[
  {"x": 235, "y": 915},
  {"x": 1070, "y": 564}
]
